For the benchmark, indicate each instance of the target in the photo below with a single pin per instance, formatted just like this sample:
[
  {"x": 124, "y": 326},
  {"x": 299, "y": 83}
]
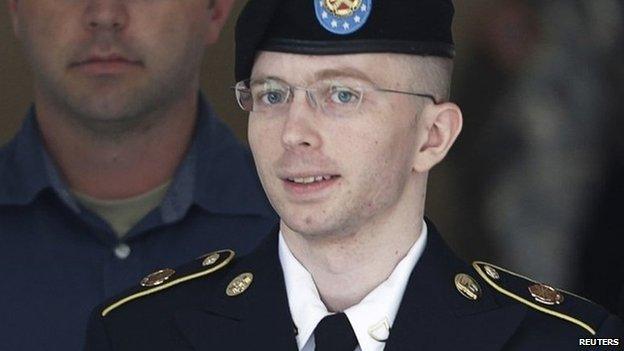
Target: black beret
[{"x": 334, "y": 27}]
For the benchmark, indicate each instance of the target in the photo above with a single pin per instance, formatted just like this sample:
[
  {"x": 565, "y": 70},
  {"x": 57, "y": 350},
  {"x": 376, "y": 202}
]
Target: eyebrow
[
  {"x": 263, "y": 80},
  {"x": 344, "y": 72},
  {"x": 347, "y": 72}
]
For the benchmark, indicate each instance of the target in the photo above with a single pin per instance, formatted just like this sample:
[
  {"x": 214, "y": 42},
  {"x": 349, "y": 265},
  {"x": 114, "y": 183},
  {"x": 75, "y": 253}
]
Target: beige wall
[{"x": 14, "y": 80}]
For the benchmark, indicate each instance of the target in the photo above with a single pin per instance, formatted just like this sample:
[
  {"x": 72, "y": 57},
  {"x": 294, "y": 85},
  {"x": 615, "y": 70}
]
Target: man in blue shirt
[{"x": 120, "y": 167}]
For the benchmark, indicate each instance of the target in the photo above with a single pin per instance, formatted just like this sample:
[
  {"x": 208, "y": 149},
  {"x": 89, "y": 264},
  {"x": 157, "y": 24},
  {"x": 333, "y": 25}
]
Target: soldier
[{"x": 348, "y": 112}]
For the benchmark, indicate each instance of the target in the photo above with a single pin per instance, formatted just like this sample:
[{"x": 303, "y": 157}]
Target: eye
[
  {"x": 271, "y": 97},
  {"x": 344, "y": 95}
]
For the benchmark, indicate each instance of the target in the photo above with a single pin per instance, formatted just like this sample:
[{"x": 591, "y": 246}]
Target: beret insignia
[{"x": 342, "y": 16}]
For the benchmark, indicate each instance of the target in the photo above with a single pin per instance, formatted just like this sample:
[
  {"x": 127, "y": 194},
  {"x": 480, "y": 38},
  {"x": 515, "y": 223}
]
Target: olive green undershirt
[{"x": 123, "y": 214}]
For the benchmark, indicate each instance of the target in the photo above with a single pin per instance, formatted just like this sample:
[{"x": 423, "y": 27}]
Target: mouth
[
  {"x": 105, "y": 64},
  {"x": 309, "y": 186},
  {"x": 311, "y": 179}
]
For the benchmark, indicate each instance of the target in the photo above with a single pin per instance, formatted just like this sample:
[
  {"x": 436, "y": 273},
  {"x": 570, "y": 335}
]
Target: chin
[
  {"x": 112, "y": 107},
  {"x": 111, "y": 115},
  {"x": 312, "y": 220},
  {"x": 304, "y": 225},
  {"x": 310, "y": 226}
]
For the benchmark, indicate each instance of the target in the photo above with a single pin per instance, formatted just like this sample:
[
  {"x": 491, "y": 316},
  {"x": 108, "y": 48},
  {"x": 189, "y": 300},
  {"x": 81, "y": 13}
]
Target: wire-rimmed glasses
[{"x": 335, "y": 97}]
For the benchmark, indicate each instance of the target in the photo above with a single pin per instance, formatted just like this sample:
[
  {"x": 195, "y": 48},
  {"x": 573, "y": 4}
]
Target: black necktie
[{"x": 334, "y": 333}]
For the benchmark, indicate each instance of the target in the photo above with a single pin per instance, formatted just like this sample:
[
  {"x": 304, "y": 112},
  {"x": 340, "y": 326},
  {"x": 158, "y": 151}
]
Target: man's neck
[
  {"x": 347, "y": 268},
  {"x": 127, "y": 165}
]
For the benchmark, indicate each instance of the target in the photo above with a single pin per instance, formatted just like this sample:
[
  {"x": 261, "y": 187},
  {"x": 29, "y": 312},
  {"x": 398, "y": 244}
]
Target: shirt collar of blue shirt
[{"x": 205, "y": 177}]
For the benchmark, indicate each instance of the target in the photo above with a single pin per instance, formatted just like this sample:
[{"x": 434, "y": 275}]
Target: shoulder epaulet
[
  {"x": 542, "y": 297},
  {"x": 165, "y": 278}
]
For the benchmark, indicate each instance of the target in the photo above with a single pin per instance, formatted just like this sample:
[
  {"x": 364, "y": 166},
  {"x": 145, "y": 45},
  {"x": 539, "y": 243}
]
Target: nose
[
  {"x": 300, "y": 128},
  {"x": 109, "y": 15}
]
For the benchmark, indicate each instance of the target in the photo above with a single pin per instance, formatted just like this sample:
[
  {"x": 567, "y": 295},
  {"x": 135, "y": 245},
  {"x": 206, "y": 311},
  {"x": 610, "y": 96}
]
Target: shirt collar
[
  {"x": 216, "y": 159},
  {"x": 26, "y": 169},
  {"x": 371, "y": 318}
]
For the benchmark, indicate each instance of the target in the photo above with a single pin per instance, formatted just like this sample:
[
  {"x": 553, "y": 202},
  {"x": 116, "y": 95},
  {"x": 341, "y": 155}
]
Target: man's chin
[
  {"x": 112, "y": 111},
  {"x": 108, "y": 105},
  {"x": 111, "y": 117},
  {"x": 310, "y": 227}
]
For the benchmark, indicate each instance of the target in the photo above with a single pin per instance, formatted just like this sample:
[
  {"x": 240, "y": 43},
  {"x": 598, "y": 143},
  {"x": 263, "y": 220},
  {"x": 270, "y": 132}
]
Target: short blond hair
[{"x": 430, "y": 74}]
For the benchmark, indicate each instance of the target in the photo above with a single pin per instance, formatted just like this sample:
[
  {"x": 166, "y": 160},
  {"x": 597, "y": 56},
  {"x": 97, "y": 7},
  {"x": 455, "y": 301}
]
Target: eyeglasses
[{"x": 337, "y": 98}]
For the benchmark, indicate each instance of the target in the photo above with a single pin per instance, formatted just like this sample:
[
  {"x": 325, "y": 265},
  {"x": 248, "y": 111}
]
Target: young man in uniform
[{"x": 348, "y": 114}]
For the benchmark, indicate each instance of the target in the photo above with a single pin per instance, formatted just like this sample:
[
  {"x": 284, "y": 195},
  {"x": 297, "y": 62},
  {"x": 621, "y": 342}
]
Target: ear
[
  {"x": 438, "y": 128},
  {"x": 14, "y": 18},
  {"x": 219, "y": 12}
]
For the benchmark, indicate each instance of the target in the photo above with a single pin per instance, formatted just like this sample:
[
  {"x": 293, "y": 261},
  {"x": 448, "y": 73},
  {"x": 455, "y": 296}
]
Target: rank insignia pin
[{"x": 467, "y": 286}]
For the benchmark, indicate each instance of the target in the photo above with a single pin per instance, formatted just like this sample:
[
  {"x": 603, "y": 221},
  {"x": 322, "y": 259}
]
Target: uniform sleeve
[
  {"x": 97, "y": 338},
  {"x": 612, "y": 327}
]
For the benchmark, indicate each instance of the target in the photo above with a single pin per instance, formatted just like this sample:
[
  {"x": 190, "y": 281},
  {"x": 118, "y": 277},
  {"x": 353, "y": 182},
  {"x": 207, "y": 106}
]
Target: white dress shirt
[{"x": 371, "y": 319}]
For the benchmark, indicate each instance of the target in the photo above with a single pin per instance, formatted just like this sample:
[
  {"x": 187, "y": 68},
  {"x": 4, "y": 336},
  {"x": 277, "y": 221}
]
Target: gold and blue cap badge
[{"x": 342, "y": 16}]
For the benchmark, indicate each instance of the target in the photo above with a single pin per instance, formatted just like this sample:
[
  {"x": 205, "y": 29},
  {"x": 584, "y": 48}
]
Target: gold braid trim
[
  {"x": 183, "y": 279},
  {"x": 524, "y": 301}
]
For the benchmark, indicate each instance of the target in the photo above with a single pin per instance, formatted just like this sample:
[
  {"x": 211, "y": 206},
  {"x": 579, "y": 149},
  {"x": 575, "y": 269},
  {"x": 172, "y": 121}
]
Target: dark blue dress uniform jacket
[
  {"x": 59, "y": 260},
  {"x": 198, "y": 315}
]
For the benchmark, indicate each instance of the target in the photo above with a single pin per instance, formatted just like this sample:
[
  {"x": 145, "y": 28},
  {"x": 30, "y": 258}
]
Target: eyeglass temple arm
[{"x": 428, "y": 96}]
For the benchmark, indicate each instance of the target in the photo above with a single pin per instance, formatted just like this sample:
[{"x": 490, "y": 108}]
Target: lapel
[
  {"x": 434, "y": 316},
  {"x": 257, "y": 319}
]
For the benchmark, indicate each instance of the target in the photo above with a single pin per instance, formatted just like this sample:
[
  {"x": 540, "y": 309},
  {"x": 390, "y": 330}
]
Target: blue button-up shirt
[{"x": 58, "y": 259}]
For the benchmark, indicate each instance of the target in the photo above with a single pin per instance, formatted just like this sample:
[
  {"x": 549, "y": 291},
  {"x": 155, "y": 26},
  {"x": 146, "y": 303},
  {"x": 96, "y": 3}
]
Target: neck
[
  {"x": 121, "y": 164},
  {"x": 347, "y": 268}
]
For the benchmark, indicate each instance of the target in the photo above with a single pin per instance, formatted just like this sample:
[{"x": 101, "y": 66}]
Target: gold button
[
  {"x": 210, "y": 259},
  {"x": 491, "y": 272},
  {"x": 467, "y": 286},
  {"x": 545, "y": 294},
  {"x": 157, "y": 277},
  {"x": 239, "y": 284}
]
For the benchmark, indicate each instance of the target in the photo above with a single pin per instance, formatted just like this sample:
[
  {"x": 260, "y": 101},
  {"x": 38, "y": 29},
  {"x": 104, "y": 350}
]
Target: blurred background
[{"x": 534, "y": 180}]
